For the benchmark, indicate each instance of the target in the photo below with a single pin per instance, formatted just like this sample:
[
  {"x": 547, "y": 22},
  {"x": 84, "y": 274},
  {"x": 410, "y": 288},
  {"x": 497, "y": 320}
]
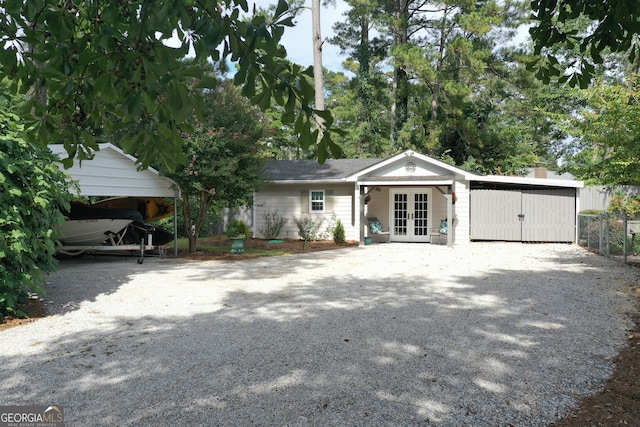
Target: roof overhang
[
  {"x": 544, "y": 182},
  {"x": 307, "y": 181},
  {"x": 395, "y": 181}
]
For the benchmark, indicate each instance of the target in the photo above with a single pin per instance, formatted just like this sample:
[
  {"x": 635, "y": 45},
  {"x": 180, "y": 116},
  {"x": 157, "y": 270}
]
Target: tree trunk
[
  {"x": 400, "y": 79},
  {"x": 439, "y": 64},
  {"x": 188, "y": 225},
  {"x": 193, "y": 229},
  {"x": 318, "y": 76},
  {"x": 364, "y": 90}
]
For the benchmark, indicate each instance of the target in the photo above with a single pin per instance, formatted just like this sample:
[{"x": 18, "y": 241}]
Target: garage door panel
[
  {"x": 494, "y": 215},
  {"x": 549, "y": 215}
]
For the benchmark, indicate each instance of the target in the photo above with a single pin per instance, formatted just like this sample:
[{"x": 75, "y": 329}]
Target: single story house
[{"x": 410, "y": 194}]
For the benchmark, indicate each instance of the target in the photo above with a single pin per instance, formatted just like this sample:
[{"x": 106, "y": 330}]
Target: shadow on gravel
[
  {"x": 83, "y": 279},
  {"x": 396, "y": 349}
]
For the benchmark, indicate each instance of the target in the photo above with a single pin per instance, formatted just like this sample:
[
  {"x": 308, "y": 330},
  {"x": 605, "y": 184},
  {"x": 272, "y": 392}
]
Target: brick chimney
[{"x": 540, "y": 172}]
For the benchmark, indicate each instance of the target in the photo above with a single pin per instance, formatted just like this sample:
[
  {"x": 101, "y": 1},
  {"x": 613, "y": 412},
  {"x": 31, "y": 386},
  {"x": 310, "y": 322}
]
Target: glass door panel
[
  {"x": 400, "y": 214},
  {"x": 410, "y": 214}
]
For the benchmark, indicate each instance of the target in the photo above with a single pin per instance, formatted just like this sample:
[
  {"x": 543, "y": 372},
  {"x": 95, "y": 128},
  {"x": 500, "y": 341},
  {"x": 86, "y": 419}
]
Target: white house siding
[
  {"x": 113, "y": 173},
  {"x": 378, "y": 206},
  {"x": 438, "y": 206},
  {"x": 287, "y": 201},
  {"x": 461, "y": 213}
]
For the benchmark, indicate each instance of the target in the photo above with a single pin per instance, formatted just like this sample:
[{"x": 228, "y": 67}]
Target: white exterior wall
[
  {"x": 438, "y": 206},
  {"x": 378, "y": 207},
  {"x": 287, "y": 201},
  {"x": 461, "y": 213},
  {"x": 113, "y": 173}
]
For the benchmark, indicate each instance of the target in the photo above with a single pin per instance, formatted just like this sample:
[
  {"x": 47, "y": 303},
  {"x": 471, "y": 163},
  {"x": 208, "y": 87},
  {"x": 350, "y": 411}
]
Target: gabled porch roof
[{"x": 437, "y": 170}]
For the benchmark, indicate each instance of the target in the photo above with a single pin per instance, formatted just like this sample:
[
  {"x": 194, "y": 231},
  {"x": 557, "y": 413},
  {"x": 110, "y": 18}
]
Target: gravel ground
[{"x": 480, "y": 335}]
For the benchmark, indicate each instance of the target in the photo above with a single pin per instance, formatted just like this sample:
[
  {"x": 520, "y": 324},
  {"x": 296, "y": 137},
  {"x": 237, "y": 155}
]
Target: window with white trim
[{"x": 316, "y": 199}]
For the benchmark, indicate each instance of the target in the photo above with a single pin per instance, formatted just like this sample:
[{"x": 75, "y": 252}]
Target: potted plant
[{"x": 237, "y": 232}]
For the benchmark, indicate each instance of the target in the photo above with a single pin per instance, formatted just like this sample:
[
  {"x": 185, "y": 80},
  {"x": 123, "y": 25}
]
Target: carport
[
  {"x": 521, "y": 210},
  {"x": 113, "y": 173}
]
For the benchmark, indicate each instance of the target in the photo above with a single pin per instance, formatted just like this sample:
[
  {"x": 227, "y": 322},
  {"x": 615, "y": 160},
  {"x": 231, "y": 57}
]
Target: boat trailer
[{"x": 117, "y": 242}]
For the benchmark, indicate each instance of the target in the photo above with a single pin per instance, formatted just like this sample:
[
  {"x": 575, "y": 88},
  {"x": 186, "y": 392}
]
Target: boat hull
[
  {"x": 151, "y": 208},
  {"x": 90, "y": 232}
]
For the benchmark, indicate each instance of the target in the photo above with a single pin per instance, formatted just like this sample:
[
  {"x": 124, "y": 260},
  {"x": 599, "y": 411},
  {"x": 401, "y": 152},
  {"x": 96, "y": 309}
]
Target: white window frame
[{"x": 323, "y": 201}]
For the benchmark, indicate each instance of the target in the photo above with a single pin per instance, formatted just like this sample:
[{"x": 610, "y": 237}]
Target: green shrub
[
  {"x": 338, "y": 233},
  {"x": 273, "y": 223},
  {"x": 237, "y": 229},
  {"x": 616, "y": 238},
  {"x": 32, "y": 191},
  {"x": 590, "y": 212},
  {"x": 632, "y": 206},
  {"x": 328, "y": 229},
  {"x": 614, "y": 235},
  {"x": 309, "y": 227}
]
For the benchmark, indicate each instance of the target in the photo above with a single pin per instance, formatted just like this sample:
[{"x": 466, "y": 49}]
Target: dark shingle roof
[{"x": 311, "y": 170}]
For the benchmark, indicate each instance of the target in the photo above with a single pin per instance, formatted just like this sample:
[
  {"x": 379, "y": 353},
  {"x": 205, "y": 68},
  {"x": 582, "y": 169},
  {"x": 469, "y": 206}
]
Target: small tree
[
  {"x": 621, "y": 204},
  {"x": 237, "y": 228},
  {"x": 339, "y": 233},
  {"x": 224, "y": 158}
]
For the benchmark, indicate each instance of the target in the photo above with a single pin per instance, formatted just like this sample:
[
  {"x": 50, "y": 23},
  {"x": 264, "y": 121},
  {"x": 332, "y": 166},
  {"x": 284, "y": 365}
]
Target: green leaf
[
  {"x": 263, "y": 99},
  {"x": 305, "y": 140},
  {"x": 195, "y": 72},
  {"x": 281, "y": 8},
  {"x": 133, "y": 104},
  {"x": 207, "y": 82},
  {"x": 326, "y": 116},
  {"x": 8, "y": 58}
]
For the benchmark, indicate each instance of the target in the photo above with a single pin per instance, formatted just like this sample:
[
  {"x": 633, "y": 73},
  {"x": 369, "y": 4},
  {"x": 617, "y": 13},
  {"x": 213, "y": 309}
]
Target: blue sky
[{"x": 298, "y": 40}]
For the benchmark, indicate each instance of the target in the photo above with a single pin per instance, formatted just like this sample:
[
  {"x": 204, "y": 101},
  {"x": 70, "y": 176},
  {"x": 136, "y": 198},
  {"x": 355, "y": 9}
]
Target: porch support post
[
  {"x": 175, "y": 227},
  {"x": 363, "y": 220},
  {"x": 450, "y": 234}
]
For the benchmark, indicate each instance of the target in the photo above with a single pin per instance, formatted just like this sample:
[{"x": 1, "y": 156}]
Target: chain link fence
[{"x": 610, "y": 235}]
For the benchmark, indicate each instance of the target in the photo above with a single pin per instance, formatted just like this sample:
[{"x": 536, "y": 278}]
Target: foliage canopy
[
  {"x": 614, "y": 26},
  {"x": 607, "y": 132},
  {"x": 115, "y": 66}
]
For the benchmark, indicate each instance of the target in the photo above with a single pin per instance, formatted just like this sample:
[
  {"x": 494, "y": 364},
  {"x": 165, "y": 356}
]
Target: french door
[{"x": 410, "y": 214}]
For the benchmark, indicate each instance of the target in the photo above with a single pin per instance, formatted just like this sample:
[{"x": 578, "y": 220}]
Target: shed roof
[{"x": 113, "y": 173}]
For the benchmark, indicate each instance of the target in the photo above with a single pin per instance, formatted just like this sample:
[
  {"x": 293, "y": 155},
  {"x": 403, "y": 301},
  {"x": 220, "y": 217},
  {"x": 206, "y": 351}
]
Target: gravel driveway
[{"x": 489, "y": 334}]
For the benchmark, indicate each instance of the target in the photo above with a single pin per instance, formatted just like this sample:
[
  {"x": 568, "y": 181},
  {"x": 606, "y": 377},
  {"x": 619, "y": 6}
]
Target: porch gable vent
[{"x": 410, "y": 167}]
